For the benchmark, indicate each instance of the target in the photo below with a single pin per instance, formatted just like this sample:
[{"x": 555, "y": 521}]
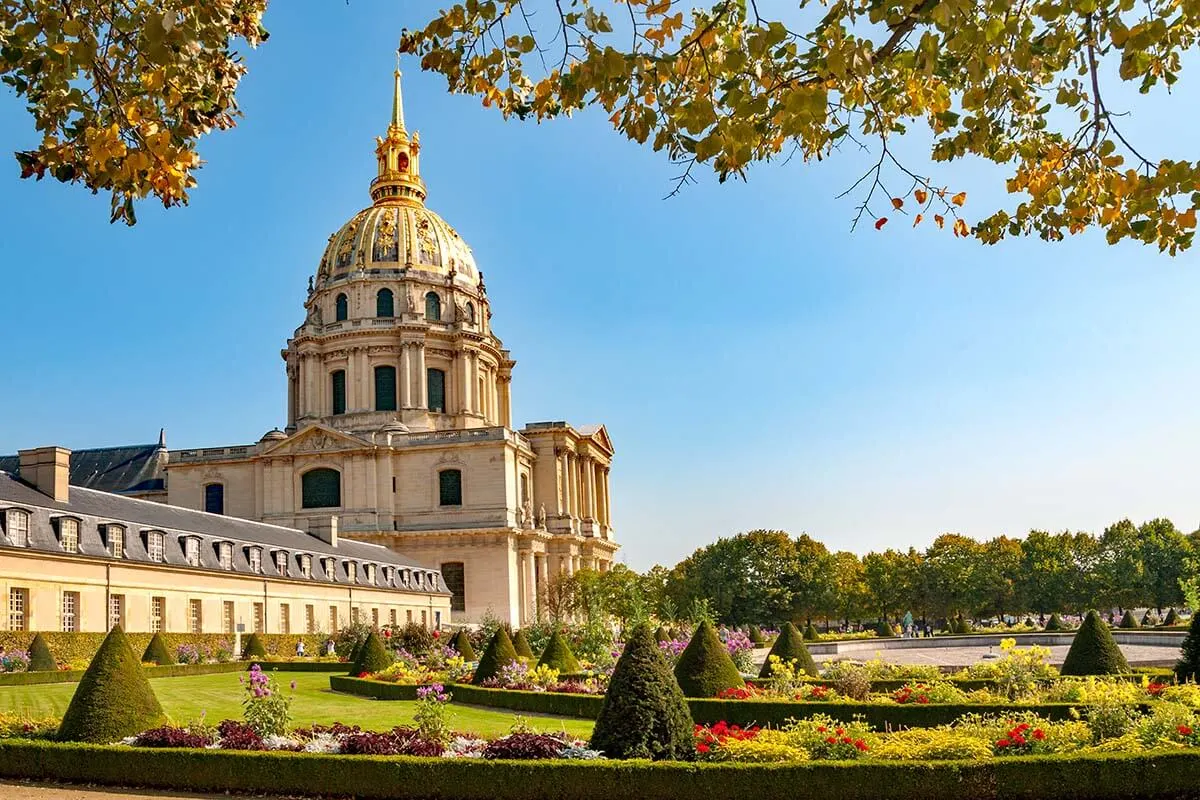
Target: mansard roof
[{"x": 131, "y": 468}]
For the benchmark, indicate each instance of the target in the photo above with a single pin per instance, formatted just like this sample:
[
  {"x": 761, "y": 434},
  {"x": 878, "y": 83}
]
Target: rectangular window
[
  {"x": 214, "y": 498},
  {"x": 70, "y": 611},
  {"x": 455, "y": 576},
  {"x": 437, "y": 620},
  {"x": 385, "y": 388},
  {"x": 333, "y": 619},
  {"x": 116, "y": 610},
  {"x": 258, "y": 617},
  {"x": 310, "y": 619},
  {"x": 331, "y": 569},
  {"x": 195, "y": 622},
  {"x": 255, "y": 560},
  {"x": 18, "y": 527},
  {"x": 116, "y": 541},
  {"x": 436, "y": 380},
  {"x": 353, "y": 615},
  {"x": 424, "y": 620},
  {"x": 306, "y": 566},
  {"x": 338, "y": 381},
  {"x": 68, "y": 534},
  {"x": 450, "y": 487},
  {"x": 18, "y": 609},
  {"x": 158, "y": 613},
  {"x": 374, "y": 617},
  {"x": 392, "y": 617},
  {"x": 226, "y": 555},
  {"x": 352, "y": 571},
  {"x": 154, "y": 546},
  {"x": 192, "y": 551},
  {"x": 285, "y": 618},
  {"x": 408, "y": 616},
  {"x": 227, "y": 617},
  {"x": 281, "y": 563},
  {"x": 371, "y": 574}
]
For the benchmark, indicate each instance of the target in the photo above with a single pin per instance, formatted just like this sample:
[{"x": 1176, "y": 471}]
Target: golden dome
[{"x": 387, "y": 237}]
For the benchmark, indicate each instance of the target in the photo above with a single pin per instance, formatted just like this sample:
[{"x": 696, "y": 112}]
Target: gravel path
[{"x": 17, "y": 790}]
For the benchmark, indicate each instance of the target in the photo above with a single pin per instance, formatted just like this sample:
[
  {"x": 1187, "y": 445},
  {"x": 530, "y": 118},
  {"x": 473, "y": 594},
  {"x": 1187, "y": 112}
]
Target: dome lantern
[{"x": 399, "y": 179}]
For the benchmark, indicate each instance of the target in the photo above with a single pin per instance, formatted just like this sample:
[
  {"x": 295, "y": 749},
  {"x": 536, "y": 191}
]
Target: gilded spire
[{"x": 398, "y": 157}]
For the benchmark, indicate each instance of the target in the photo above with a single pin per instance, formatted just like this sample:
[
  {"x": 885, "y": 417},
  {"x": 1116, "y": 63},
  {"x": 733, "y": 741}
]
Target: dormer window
[
  {"x": 68, "y": 534},
  {"x": 406, "y": 578},
  {"x": 225, "y": 555},
  {"x": 431, "y": 581},
  {"x": 420, "y": 580},
  {"x": 191, "y": 551},
  {"x": 255, "y": 557},
  {"x": 16, "y": 525},
  {"x": 281, "y": 563},
  {"x": 352, "y": 571},
  {"x": 388, "y": 574},
  {"x": 306, "y": 566},
  {"x": 115, "y": 538},
  {"x": 154, "y": 545},
  {"x": 330, "y": 567},
  {"x": 371, "y": 574}
]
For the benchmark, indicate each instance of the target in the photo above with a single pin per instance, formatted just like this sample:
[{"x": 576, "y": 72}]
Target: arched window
[
  {"x": 470, "y": 312},
  {"x": 214, "y": 498},
  {"x": 385, "y": 303},
  {"x": 436, "y": 380},
  {"x": 433, "y": 307},
  {"x": 337, "y": 380},
  {"x": 17, "y": 527},
  {"x": 385, "y": 388},
  {"x": 321, "y": 488},
  {"x": 402, "y": 162},
  {"x": 341, "y": 308},
  {"x": 450, "y": 487},
  {"x": 455, "y": 577}
]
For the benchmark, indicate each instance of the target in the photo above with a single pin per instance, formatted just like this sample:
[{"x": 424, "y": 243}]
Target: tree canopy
[{"x": 120, "y": 93}]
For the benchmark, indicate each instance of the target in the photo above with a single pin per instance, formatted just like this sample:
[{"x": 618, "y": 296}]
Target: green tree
[
  {"x": 1164, "y": 551},
  {"x": 851, "y": 598},
  {"x": 995, "y": 577},
  {"x": 951, "y": 562},
  {"x": 888, "y": 579},
  {"x": 727, "y": 86},
  {"x": 811, "y": 576},
  {"x": 1120, "y": 571},
  {"x": 1046, "y": 572}
]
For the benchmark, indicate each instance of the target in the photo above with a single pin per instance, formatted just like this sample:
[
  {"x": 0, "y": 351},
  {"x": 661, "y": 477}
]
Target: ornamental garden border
[
  {"x": 174, "y": 671},
  {"x": 1159, "y": 774},
  {"x": 707, "y": 711}
]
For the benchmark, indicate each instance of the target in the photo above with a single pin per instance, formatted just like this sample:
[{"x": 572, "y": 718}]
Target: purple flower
[{"x": 293, "y": 686}]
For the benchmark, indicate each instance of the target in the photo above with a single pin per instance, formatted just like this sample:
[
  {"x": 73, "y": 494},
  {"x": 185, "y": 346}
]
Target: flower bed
[
  {"x": 1098, "y": 776},
  {"x": 172, "y": 671}
]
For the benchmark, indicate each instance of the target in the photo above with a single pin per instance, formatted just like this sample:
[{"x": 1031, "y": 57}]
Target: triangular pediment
[
  {"x": 316, "y": 438},
  {"x": 599, "y": 435}
]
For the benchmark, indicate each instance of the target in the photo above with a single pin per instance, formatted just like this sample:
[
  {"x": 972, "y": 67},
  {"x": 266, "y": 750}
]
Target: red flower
[
  {"x": 702, "y": 748},
  {"x": 821, "y": 729},
  {"x": 922, "y": 699},
  {"x": 831, "y": 740},
  {"x": 1039, "y": 734},
  {"x": 363, "y": 674},
  {"x": 840, "y": 731},
  {"x": 861, "y": 745},
  {"x": 1184, "y": 730},
  {"x": 846, "y": 740},
  {"x": 1003, "y": 743}
]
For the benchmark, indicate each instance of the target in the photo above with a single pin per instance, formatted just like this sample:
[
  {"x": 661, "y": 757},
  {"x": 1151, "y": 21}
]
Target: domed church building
[{"x": 399, "y": 424}]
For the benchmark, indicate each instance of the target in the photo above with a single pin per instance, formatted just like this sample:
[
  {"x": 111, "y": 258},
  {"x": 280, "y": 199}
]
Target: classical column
[
  {"x": 589, "y": 477},
  {"x": 421, "y": 378},
  {"x": 404, "y": 376},
  {"x": 506, "y": 400},
  {"x": 607, "y": 499},
  {"x": 476, "y": 396},
  {"x": 564, "y": 488},
  {"x": 540, "y": 578},
  {"x": 576, "y": 486},
  {"x": 528, "y": 597}
]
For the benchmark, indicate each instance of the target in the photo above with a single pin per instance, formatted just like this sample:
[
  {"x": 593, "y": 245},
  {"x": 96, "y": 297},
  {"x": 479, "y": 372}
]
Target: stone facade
[{"x": 399, "y": 417}]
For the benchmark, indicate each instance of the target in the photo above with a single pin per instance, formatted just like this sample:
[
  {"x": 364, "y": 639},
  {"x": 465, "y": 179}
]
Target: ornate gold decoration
[
  {"x": 386, "y": 244},
  {"x": 429, "y": 249},
  {"x": 346, "y": 246}
]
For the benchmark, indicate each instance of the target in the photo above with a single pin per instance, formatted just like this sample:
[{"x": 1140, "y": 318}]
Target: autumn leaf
[
  {"x": 920, "y": 195},
  {"x": 960, "y": 228},
  {"x": 879, "y": 223},
  {"x": 897, "y": 203},
  {"x": 939, "y": 219},
  {"x": 959, "y": 199},
  {"x": 917, "y": 221}
]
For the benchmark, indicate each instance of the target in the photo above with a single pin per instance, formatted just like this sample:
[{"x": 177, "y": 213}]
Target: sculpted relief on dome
[{"x": 389, "y": 237}]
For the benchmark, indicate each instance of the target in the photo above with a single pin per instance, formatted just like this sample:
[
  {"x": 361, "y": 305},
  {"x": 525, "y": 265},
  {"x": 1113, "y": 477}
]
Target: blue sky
[{"x": 757, "y": 364}]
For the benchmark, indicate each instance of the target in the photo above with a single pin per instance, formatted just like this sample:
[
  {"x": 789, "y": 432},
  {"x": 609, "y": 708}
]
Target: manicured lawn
[{"x": 220, "y": 696}]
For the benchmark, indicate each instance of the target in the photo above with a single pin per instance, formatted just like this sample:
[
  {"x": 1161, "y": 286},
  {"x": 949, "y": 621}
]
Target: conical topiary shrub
[
  {"x": 705, "y": 668},
  {"x": 372, "y": 656},
  {"x": 558, "y": 655},
  {"x": 521, "y": 645},
  {"x": 1128, "y": 620},
  {"x": 40, "y": 657},
  {"x": 644, "y": 714},
  {"x": 157, "y": 652},
  {"x": 113, "y": 699},
  {"x": 462, "y": 643},
  {"x": 1188, "y": 666},
  {"x": 1055, "y": 623},
  {"x": 499, "y": 653},
  {"x": 811, "y": 634},
  {"x": 789, "y": 647},
  {"x": 253, "y": 648},
  {"x": 1094, "y": 651},
  {"x": 756, "y": 637},
  {"x": 661, "y": 634},
  {"x": 883, "y": 630},
  {"x": 1172, "y": 618},
  {"x": 1029, "y": 623},
  {"x": 1149, "y": 620}
]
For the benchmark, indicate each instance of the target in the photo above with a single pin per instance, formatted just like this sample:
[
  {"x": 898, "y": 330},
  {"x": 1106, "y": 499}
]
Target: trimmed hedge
[
  {"x": 789, "y": 647},
  {"x": 173, "y": 671},
  {"x": 558, "y": 655},
  {"x": 705, "y": 668},
  {"x": 1123, "y": 776},
  {"x": 113, "y": 699},
  {"x": 252, "y": 648},
  {"x": 499, "y": 653},
  {"x": 157, "y": 652},
  {"x": 1094, "y": 651},
  {"x": 1128, "y": 621},
  {"x": 462, "y": 643},
  {"x": 40, "y": 657},
  {"x": 372, "y": 656},
  {"x": 80, "y": 647},
  {"x": 1188, "y": 666}
]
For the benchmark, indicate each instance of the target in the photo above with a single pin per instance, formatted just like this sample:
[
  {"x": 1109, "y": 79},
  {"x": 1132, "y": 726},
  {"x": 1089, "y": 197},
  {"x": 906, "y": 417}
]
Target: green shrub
[
  {"x": 113, "y": 699},
  {"x": 1128, "y": 620},
  {"x": 355, "y": 652},
  {"x": 661, "y": 634},
  {"x": 253, "y": 648},
  {"x": 558, "y": 655},
  {"x": 1188, "y": 666},
  {"x": 40, "y": 657},
  {"x": 462, "y": 643},
  {"x": 790, "y": 647},
  {"x": 1055, "y": 623},
  {"x": 1093, "y": 650},
  {"x": 644, "y": 714},
  {"x": 755, "y": 635},
  {"x": 521, "y": 645},
  {"x": 1029, "y": 623},
  {"x": 883, "y": 630},
  {"x": 1172, "y": 618},
  {"x": 372, "y": 656},
  {"x": 811, "y": 634},
  {"x": 157, "y": 652},
  {"x": 705, "y": 668},
  {"x": 499, "y": 653}
]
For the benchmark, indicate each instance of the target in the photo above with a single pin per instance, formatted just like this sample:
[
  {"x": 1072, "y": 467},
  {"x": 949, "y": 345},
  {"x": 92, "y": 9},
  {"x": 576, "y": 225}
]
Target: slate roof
[
  {"x": 95, "y": 509},
  {"x": 132, "y": 468}
]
